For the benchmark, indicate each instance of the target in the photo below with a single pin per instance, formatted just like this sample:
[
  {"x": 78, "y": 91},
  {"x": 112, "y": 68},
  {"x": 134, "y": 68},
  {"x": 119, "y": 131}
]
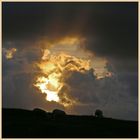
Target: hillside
[{"x": 18, "y": 123}]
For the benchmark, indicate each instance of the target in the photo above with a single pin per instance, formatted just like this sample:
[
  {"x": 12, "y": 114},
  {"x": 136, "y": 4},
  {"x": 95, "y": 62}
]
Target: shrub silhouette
[
  {"x": 41, "y": 112},
  {"x": 98, "y": 113},
  {"x": 58, "y": 113}
]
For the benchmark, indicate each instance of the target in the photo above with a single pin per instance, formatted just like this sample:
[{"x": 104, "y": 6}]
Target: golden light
[
  {"x": 42, "y": 84},
  {"x": 9, "y": 53},
  {"x": 59, "y": 59}
]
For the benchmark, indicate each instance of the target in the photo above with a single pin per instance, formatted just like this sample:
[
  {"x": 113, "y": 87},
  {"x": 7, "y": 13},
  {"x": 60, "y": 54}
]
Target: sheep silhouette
[
  {"x": 98, "y": 113},
  {"x": 58, "y": 114}
]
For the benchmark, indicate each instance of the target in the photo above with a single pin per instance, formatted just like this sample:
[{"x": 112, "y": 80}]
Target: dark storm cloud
[
  {"x": 111, "y": 32},
  {"x": 109, "y": 94},
  {"x": 110, "y": 28},
  {"x": 18, "y": 78},
  {"x": 82, "y": 87},
  {"x": 22, "y": 60},
  {"x": 21, "y": 94},
  {"x": 100, "y": 19}
]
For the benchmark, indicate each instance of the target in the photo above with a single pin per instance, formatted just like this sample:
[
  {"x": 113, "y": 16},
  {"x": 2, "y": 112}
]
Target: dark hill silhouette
[{"x": 19, "y": 123}]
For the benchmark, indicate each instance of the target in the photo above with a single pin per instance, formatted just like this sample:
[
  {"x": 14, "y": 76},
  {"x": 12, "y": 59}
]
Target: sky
[{"x": 99, "y": 42}]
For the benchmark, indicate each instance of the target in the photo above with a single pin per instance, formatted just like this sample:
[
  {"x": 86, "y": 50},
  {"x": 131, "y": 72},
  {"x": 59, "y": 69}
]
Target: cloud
[
  {"x": 111, "y": 32},
  {"x": 108, "y": 94},
  {"x": 18, "y": 92}
]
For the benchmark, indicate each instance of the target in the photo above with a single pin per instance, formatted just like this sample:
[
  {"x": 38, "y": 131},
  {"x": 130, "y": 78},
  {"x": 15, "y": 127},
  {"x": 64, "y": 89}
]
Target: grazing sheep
[{"x": 98, "y": 113}]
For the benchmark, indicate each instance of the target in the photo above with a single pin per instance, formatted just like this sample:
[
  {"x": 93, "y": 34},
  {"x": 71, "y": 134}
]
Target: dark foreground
[{"x": 17, "y": 123}]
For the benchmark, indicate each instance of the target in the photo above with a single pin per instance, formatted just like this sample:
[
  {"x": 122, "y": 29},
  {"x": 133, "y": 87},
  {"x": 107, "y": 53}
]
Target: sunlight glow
[
  {"x": 58, "y": 61},
  {"x": 9, "y": 53}
]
